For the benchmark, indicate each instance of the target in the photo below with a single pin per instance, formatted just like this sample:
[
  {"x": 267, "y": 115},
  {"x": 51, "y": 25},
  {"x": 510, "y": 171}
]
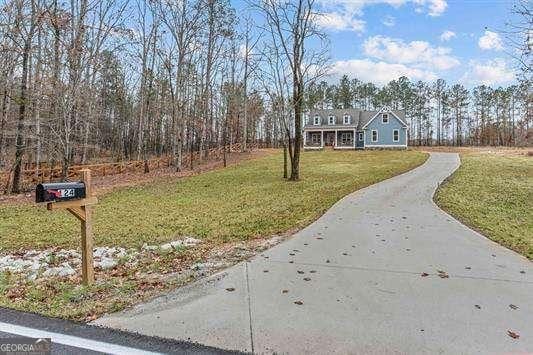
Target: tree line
[
  {"x": 93, "y": 80},
  {"x": 88, "y": 79},
  {"x": 439, "y": 112}
]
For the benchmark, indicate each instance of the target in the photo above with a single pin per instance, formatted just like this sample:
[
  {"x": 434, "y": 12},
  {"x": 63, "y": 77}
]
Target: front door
[{"x": 329, "y": 138}]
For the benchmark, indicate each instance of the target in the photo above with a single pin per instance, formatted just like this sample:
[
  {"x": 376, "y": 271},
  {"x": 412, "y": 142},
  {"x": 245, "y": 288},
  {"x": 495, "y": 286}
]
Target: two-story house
[{"x": 355, "y": 129}]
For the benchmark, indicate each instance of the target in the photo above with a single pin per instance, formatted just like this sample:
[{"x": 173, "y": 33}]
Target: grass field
[
  {"x": 236, "y": 203},
  {"x": 493, "y": 193}
]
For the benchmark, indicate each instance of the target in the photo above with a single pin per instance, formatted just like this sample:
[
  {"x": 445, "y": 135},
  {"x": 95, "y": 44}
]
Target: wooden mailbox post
[{"x": 77, "y": 198}]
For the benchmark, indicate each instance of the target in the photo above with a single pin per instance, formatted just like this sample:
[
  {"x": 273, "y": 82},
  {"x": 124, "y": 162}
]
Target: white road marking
[{"x": 70, "y": 340}]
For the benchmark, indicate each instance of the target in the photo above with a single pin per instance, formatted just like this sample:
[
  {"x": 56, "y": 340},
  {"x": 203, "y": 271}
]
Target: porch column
[
  {"x": 354, "y": 141},
  {"x": 322, "y": 139},
  {"x": 305, "y": 138},
  {"x": 336, "y": 138}
]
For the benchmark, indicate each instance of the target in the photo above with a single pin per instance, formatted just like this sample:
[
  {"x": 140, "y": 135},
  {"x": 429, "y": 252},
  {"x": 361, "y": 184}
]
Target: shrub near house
[{"x": 355, "y": 129}]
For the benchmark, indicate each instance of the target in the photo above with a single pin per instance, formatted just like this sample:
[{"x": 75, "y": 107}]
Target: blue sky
[{"x": 379, "y": 40}]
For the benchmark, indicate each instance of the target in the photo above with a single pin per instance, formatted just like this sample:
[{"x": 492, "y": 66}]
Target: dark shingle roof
[{"x": 359, "y": 117}]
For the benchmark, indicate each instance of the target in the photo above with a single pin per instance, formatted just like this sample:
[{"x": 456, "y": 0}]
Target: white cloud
[
  {"x": 388, "y": 21},
  {"x": 339, "y": 22},
  {"x": 490, "y": 40},
  {"x": 492, "y": 72},
  {"x": 447, "y": 35},
  {"x": 436, "y": 7},
  {"x": 341, "y": 15},
  {"x": 379, "y": 72},
  {"x": 418, "y": 53}
]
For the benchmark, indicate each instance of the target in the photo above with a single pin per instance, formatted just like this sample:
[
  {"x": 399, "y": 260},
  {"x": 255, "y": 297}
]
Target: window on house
[
  {"x": 396, "y": 135},
  {"x": 331, "y": 120},
  {"x": 385, "y": 118},
  {"x": 316, "y": 121},
  {"x": 374, "y": 135},
  {"x": 346, "y": 119},
  {"x": 346, "y": 138},
  {"x": 361, "y": 137}
]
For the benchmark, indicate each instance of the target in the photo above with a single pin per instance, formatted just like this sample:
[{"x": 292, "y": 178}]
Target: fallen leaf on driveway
[
  {"x": 265, "y": 270},
  {"x": 424, "y": 274},
  {"x": 512, "y": 306},
  {"x": 319, "y": 238},
  {"x": 443, "y": 274},
  {"x": 327, "y": 261},
  {"x": 299, "y": 303},
  {"x": 285, "y": 291},
  {"x": 513, "y": 334},
  {"x": 477, "y": 306},
  {"x": 522, "y": 272},
  {"x": 312, "y": 271},
  {"x": 230, "y": 289},
  {"x": 468, "y": 268},
  {"x": 300, "y": 272},
  {"x": 307, "y": 279}
]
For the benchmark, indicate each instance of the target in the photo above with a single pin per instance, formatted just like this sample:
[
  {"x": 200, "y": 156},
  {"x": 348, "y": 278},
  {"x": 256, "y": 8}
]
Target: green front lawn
[
  {"x": 236, "y": 203},
  {"x": 493, "y": 193},
  {"x": 221, "y": 207}
]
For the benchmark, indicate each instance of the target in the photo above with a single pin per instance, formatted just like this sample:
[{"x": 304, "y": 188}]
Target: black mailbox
[{"x": 59, "y": 191}]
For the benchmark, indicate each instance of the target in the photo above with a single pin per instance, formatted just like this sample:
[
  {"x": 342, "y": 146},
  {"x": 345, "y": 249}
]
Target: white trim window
[
  {"x": 331, "y": 120},
  {"x": 396, "y": 135},
  {"x": 346, "y": 119},
  {"x": 374, "y": 135},
  {"x": 315, "y": 138},
  {"x": 361, "y": 136},
  {"x": 346, "y": 138},
  {"x": 385, "y": 118},
  {"x": 316, "y": 121}
]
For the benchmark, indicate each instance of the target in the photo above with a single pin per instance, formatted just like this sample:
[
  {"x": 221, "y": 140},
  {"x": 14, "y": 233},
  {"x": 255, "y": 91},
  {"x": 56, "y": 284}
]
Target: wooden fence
[{"x": 46, "y": 173}]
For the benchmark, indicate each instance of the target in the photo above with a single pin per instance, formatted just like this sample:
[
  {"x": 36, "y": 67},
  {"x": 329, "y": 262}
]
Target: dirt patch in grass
[
  {"x": 493, "y": 193},
  {"x": 502, "y": 151},
  {"x": 106, "y": 184},
  {"x": 234, "y": 211}
]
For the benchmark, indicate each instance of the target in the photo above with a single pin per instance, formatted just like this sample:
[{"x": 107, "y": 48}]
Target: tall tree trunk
[{"x": 20, "y": 145}]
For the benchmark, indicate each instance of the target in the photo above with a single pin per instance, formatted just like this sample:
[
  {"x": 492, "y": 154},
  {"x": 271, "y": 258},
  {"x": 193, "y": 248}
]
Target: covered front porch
[{"x": 337, "y": 138}]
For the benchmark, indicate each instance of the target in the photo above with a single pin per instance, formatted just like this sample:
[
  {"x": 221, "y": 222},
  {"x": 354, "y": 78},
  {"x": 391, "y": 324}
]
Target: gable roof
[
  {"x": 360, "y": 118},
  {"x": 400, "y": 116}
]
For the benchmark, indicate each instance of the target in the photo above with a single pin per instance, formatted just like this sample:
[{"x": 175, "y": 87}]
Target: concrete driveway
[{"x": 383, "y": 271}]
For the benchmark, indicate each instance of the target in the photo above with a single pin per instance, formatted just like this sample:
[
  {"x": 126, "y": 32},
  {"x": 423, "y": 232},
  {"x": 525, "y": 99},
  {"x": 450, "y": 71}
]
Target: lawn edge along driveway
[
  {"x": 492, "y": 193},
  {"x": 245, "y": 227}
]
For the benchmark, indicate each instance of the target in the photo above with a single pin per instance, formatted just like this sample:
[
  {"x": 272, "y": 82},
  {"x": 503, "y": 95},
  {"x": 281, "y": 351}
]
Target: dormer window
[
  {"x": 346, "y": 119},
  {"x": 316, "y": 120},
  {"x": 385, "y": 118},
  {"x": 331, "y": 120}
]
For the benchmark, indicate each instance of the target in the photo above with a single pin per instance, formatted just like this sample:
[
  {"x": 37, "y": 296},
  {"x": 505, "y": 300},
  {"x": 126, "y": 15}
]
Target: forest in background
[
  {"x": 93, "y": 80},
  {"x": 440, "y": 113}
]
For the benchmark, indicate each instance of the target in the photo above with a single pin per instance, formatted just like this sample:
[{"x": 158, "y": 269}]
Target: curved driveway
[{"x": 358, "y": 271}]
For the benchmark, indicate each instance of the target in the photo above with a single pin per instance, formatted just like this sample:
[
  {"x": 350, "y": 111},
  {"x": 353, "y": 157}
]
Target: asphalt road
[
  {"x": 383, "y": 271},
  {"x": 77, "y": 338}
]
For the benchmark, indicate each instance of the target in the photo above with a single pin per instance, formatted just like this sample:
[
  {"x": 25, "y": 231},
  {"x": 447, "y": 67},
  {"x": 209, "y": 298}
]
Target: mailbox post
[{"x": 77, "y": 198}]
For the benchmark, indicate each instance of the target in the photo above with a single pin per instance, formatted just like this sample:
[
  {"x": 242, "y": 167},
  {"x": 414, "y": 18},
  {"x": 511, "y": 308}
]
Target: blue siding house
[{"x": 355, "y": 129}]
